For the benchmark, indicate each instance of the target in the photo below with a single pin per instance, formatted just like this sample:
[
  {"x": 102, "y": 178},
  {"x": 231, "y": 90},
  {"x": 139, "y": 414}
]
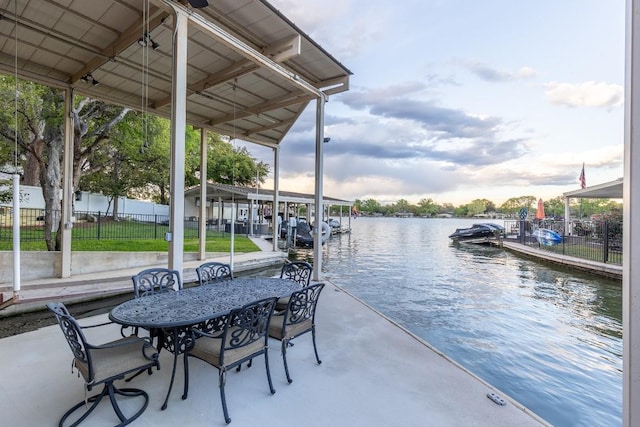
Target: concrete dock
[{"x": 373, "y": 373}]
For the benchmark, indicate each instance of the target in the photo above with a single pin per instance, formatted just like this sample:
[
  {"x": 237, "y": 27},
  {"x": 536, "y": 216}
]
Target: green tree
[
  {"x": 514, "y": 204},
  {"x": 427, "y": 207},
  {"x": 235, "y": 166},
  {"x": 6, "y": 191},
  {"x": 476, "y": 207},
  {"x": 401, "y": 206},
  {"x": 554, "y": 207},
  {"x": 369, "y": 206}
]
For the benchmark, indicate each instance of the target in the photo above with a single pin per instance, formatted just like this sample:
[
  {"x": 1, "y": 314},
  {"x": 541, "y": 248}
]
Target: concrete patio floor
[{"x": 373, "y": 373}]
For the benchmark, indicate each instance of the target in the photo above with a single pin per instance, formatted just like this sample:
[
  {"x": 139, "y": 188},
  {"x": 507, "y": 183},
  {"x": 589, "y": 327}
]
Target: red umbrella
[{"x": 540, "y": 210}]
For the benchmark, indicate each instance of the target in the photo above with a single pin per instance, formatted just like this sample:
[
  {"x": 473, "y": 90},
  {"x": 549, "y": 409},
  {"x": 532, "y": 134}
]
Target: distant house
[{"x": 404, "y": 215}]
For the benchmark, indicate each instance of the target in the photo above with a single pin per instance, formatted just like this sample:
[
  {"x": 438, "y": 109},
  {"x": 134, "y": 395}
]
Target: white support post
[
  {"x": 567, "y": 217},
  {"x": 16, "y": 238},
  {"x": 67, "y": 188},
  {"x": 178, "y": 125},
  {"x": 276, "y": 197},
  {"x": 631, "y": 230},
  {"x": 202, "y": 254},
  {"x": 317, "y": 235}
]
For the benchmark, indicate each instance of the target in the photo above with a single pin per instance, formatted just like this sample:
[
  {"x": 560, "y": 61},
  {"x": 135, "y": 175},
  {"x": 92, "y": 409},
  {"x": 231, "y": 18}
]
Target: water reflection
[{"x": 549, "y": 337}]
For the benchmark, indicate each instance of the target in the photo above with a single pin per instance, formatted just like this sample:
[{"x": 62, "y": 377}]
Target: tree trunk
[
  {"x": 50, "y": 183},
  {"x": 31, "y": 175}
]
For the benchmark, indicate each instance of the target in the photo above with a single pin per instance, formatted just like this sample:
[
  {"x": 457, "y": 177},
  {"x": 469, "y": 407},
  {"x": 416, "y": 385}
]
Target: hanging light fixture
[
  {"x": 146, "y": 40},
  {"x": 198, "y": 4},
  {"x": 88, "y": 78}
]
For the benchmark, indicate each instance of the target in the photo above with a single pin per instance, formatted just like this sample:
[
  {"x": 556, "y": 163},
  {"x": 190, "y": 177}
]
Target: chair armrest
[
  {"x": 143, "y": 342},
  {"x": 197, "y": 333},
  {"x": 96, "y": 325}
]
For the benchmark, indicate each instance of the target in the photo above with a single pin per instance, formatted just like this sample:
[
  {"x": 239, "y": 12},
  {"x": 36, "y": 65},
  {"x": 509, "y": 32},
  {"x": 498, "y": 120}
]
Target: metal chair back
[
  {"x": 156, "y": 280},
  {"x": 211, "y": 272},
  {"x": 298, "y": 271},
  {"x": 72, "y": 332}
]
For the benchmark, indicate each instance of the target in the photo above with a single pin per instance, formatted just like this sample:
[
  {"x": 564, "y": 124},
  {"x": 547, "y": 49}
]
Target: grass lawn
[{"x": 214, "y": 244}]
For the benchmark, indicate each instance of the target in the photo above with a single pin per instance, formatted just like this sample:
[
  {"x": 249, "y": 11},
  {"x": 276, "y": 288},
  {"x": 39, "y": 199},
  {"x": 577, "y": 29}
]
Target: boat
[
  {"x": 304, "y": 235},
  {"x": 477, "y": 231},
  {"x": 336, "y": 227},
  {"x": 547, "y": 237}
]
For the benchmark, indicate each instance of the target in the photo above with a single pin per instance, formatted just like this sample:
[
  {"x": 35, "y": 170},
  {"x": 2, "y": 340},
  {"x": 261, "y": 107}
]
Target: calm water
[{"x": 548, "y": 337}]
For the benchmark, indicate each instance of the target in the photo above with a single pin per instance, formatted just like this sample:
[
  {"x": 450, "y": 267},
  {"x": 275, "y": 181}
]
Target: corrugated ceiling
[{"x": 250, "y": 74}]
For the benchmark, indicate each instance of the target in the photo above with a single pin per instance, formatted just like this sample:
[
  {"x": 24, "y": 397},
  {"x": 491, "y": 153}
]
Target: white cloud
[
  {"x": 494, "y": 75},
  {"x": 587, "y": 94}
]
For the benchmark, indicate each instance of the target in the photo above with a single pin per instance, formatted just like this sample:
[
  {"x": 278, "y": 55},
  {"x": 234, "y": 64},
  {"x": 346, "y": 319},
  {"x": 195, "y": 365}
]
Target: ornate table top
[{"x": 197, "y": 304}]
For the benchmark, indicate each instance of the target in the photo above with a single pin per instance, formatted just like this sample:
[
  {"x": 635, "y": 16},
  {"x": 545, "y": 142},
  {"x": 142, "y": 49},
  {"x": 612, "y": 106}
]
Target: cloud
[
  {"x": 343, "y": 28},
  {"x": 494, "y": 75},
  {"x": 587, "y": 94}
]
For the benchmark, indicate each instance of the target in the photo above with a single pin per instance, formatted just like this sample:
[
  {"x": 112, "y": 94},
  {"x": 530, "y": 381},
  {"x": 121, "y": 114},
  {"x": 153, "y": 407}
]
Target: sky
[{"x": 457, "y": 100}]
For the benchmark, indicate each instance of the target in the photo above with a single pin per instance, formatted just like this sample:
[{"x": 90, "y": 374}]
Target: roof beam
[
  {"x": 279, "y": 51},
  {"x": 124, "y": 40},
  {"x": 247, "y": 51},
  {"x": 273, "y": 104},
  {"x": 337, "y": 85}
]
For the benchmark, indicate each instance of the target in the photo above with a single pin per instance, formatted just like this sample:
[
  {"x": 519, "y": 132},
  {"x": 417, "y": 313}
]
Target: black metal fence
[
  {"x": 599, "y": 241},
  {"x": 97, "y": 225}
]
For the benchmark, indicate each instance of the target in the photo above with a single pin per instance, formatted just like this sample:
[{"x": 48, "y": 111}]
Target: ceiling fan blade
[{"x": 198, "y": 4}]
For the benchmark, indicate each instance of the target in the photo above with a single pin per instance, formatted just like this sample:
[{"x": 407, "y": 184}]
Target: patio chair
[
  {"x": 148, "y": 282},
  {"x": 104, "y": 364},
  {"x": 211, "y": 272},
  {"x": 245, "y": 336},
  {"x": 156, "y": 280},
  {"x": 298, "y": 271},
  {"x": 297, "y": 319}
]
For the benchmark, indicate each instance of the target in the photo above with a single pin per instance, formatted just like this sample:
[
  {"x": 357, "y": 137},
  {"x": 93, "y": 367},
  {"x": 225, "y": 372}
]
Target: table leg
[{"x": 176, "y": 351}]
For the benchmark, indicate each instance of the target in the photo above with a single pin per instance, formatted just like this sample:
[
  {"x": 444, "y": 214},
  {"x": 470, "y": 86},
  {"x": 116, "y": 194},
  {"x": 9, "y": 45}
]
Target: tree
[
  {"x": 6, "y": 191},
  {"x": 427, "y": 207},
  {"x": 401, "y": 206},
  {"x": 476, "y": 207},
  {"x": 227, "y": 164},
  {"x": 514, "y": 204},
  {"x": 40, "y": 136},
  {"x": 554, "y": 207},
  {"x": 369, "y": 206}
]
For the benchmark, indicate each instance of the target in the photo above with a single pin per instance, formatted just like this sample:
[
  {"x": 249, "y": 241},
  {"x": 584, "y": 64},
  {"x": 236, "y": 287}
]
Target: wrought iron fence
[
  {"x": 599, "y": 241},
  {"x": 97, "y": 226}
]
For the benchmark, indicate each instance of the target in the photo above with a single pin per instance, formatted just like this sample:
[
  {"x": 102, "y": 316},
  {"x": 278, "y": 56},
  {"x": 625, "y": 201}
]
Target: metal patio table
[{"x": 179, "y": 311}]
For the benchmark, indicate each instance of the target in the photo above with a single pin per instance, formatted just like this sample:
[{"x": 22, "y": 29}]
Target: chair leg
[
  {"x": 128, "y": 392},
  {"x": 222, "y": 378},
  {"x": 111, "y": 391},
  {"x": 266, "y": 362},
  {"x": 239, "y": 367},
  {"x": 94, "y": 400},
  {"x": 284, "y": 345},
  {"x": 315, "y": 349}
]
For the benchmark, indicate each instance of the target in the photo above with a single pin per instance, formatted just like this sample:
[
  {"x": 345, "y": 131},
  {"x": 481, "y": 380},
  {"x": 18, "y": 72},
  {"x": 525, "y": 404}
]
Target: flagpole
[{"x": 583, "y": 185}]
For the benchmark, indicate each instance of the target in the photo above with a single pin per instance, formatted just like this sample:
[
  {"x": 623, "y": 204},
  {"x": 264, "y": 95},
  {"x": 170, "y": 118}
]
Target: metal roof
[
  {"x": 250, "y": 74},
  {"x": 607, "y": 190},
  {"x": 229, "y": 192}
]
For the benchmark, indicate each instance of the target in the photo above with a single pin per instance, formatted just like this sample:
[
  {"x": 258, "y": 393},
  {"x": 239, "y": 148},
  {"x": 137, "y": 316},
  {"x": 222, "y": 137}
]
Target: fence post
[
  {"x": 605, "y": 248},
  {"x": 99, "y": 224},
  {"x": 155, "y": 226}
]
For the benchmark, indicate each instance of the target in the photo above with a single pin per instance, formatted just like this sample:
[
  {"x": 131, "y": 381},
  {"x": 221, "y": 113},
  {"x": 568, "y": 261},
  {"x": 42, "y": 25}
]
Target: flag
[{"x": 583, "y": 181}]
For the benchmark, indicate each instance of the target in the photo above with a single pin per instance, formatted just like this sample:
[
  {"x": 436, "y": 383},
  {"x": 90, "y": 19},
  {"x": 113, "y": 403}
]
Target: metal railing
[
  {"x": 599, "y": 241},
  {"x": 98, "y": 226}
]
